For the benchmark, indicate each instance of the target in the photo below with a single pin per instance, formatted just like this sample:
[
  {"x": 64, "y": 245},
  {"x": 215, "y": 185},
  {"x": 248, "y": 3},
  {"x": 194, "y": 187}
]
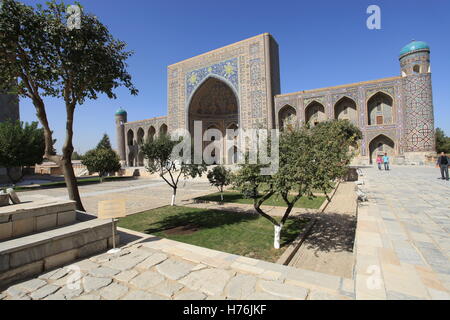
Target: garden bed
[{"x": 242, "y": 234}]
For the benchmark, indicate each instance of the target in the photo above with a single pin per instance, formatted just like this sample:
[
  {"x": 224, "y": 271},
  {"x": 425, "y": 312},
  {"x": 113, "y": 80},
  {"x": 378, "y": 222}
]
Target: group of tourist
[
  {"x": 443, "y": 163},
  {"x": 383, "y": 160}
]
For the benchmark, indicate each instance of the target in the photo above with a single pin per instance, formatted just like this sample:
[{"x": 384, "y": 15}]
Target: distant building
[{"x": 238, "y": 86}]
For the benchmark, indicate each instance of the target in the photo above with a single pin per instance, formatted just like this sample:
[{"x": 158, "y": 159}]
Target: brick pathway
[{"x": 403, "y": 235}]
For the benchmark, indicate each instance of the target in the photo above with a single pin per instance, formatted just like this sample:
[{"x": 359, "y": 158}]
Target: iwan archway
[{"x": 215, "y": 104}]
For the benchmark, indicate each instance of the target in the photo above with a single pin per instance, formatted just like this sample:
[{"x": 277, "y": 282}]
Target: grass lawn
[
  {"x": 238, "y": 233},
  {"x": 62, "y": 184},
  {"x": 236, "y": 197}
]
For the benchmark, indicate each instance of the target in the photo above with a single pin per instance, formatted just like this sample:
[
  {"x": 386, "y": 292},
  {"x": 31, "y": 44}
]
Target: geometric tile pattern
[{"x": 419, "y": 118}]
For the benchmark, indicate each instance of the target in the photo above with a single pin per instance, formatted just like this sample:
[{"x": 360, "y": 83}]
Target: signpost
[{"x": 112, "y": 209}]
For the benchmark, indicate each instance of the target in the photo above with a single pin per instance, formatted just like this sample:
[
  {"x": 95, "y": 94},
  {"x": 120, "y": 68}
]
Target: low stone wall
[
  {"x": 31, "y": 217},
  {"x": 32, "y": 255}
]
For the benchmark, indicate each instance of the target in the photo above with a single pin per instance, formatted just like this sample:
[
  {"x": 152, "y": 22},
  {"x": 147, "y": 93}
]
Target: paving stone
[
  {"x": 89, "y": 297},
  {"x": 262, "y": 296},
  {"x": 70, "y": 292},
  {"x": 216, "y": 298},
  {"x": 147, "y": 280},
  {"x": 26, "y": 287},
  {"x": 322, "y": 295},
  {"x": 198, "y": 267},
  {"x": 174, "y": 269},
  {"x": 126, "y": 276},
  {"x": 141, "y": 295},
  {"x": 167, "y": 288},
  {"x": 72, "y": 278},
  {"x": 94, "y": 283},
  {"x": 210, "y": 281},
  {"x": 20, "y": 298},
  {"x": 103, "y": 272},
  {"x": 85, "y": 265},
  {"x": 43, "y": 292},
  {"x": 393, "y": 295},
  {"x": 283, "y": 290},
  {"x": 438, "y": 295},
  {"x": 55, "y": 274},
  {"x": 241, "y": 286},
  {"x": 191, "y": 295},
  {"x": 154, "y": 259},
  {"x": 126, "y": 262},
  {"x": 56, "y": 296},
  {"x": 113, "y": 292}
]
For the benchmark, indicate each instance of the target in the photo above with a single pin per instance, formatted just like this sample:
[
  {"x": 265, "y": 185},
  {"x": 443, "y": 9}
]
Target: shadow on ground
[
  {"x": 332, "y": 232},
  {"x": 195, "y": 220}
]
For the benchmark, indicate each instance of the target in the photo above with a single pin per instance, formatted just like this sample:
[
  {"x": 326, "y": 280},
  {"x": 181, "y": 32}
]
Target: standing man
[
  {"x": 386, "y": 162},
  {"x": 443, "y": 162}
]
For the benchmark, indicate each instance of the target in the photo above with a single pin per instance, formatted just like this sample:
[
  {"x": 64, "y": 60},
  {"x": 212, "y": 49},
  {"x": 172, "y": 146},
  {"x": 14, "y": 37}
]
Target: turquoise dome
[
  {"x": 121, "y": 112},
  {"x": 413, "y": 46}
]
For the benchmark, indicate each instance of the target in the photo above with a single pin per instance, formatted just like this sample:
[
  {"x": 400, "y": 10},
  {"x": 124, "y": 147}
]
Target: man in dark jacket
[{"x": 443, "y": 162}]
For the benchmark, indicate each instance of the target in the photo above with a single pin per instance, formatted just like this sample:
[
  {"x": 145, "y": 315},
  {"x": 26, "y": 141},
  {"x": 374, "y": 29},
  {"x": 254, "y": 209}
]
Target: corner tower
[
  {"x": 419, "y": 136},
  {"x": 121, "y": 119}
]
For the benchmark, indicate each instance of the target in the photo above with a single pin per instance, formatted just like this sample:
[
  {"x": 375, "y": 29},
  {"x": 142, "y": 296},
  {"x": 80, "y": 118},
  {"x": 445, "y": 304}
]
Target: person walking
[
  {"x": 379, "y": 161},
  {"x": 444, "y": 162},
  {"x": 386, "y": 162}
]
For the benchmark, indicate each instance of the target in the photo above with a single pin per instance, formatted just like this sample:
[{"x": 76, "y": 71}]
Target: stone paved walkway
[
  {"x": 155, "y": 268},
  {"x": 403, "y": 235}
]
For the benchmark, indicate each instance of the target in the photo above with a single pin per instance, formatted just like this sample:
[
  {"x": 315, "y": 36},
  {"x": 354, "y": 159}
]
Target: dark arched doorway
[
  {"x": 216, "y": 106},
  {"x": 380, "y": 145}
]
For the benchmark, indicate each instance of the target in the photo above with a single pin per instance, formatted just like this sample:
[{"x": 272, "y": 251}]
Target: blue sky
[{"x": 322, "y": 43}]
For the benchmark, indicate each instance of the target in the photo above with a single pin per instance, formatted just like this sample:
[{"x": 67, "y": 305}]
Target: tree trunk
[
  {"x": 173, "y": 197},
  {"x": 71, "y": 183},
  {"x": 64, "y": 161},
  {"x": 277, "y": 235}
]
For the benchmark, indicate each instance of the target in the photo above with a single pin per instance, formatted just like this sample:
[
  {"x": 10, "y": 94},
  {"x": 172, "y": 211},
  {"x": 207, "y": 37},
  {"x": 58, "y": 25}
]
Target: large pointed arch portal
[{"x": 216, "y": 105}]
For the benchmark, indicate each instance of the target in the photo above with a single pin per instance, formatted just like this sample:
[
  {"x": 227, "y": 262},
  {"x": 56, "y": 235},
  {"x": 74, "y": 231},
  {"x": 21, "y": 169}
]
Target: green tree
[
  {"x": 442, "y": 141},
  {"x": 219, "y": 177},
  {"x": 163, "y": 161},
  {"x": 43, "y": 57},
  {"x": 104, "y": 143},
  {"x": 101, "y": 160},
  {"x": 20, "y": 145},
  {"x": 310, "y": 159}
]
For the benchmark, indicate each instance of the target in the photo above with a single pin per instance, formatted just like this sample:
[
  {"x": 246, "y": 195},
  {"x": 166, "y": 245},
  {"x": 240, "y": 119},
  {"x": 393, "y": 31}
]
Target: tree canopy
[
  {"x": 219, "y": 177},
  {"x": 41, "y": 56},
  {"x": 21, "y": 144},
  {"x": 442, "y": 141},
  {"x": 105, "y": 143},
  {"x": 101, "y": 160},
  {"x": 310, "y": 159}
]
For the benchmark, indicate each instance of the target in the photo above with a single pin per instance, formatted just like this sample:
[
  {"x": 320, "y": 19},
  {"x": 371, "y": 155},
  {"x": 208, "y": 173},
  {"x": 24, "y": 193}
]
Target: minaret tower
[
  {"x": 121, "y": 119},
  {"x": 418, "y": 137}
]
